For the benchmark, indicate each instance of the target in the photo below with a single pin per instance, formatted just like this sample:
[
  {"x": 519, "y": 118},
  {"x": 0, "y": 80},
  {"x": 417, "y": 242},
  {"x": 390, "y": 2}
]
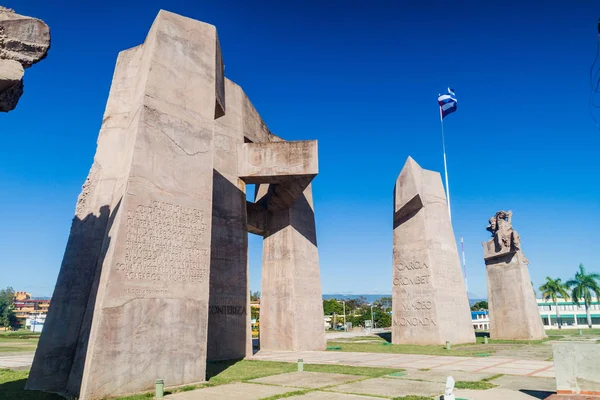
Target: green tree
[
  {"x": 552, "y": 289},
  {"x": 8, "y": 318},
  {"x": 582, "y": 287},
  {"x": 385, "y": 303},
  {"x": 353, "y": 305},
  {"x": 382, "y": 318},
  {"x": 332, "y": 306},
  {"x": 254, "y": 313},
  {"x": 480, "y": 305},
  {"x": 255, "y": 296}
]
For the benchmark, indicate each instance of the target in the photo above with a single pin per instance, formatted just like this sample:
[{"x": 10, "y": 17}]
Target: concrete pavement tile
[
  {"x": 545, "y": 374},
  {"x": 332, "y": 396},
  {"x": 509, "y": 371},
  {"x": 391, "y": 387},
  {"x": 232, "y": 391},
  {"x": 495, "y": 394},
  {"x": 440, "y": 376},
  {"x": 307, "y": 379},
  {"x": 525, "y": 382}
]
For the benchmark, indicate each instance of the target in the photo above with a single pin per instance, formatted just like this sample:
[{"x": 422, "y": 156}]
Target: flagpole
[{"x": 445, "y": 166}]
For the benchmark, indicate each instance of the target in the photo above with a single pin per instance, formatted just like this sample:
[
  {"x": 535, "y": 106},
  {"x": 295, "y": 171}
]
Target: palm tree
[
  {"x": 581, "y": 289},
  {"x": 552, "y": 290}
]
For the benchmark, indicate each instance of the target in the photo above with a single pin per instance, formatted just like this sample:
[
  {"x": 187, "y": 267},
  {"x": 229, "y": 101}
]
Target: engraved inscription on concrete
[
  {"x": 160, "y": 240},
  {"x": 163, "y": 244},
  {"x": 430, "y": 303}
]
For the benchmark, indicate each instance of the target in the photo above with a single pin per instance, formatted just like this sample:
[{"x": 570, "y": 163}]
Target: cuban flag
[{"x": 448, "y": 103}]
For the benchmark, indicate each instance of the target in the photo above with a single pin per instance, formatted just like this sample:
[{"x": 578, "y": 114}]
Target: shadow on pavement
[{"x": 537, "y": 394}]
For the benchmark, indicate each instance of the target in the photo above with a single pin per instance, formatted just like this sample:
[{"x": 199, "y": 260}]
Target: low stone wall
[{"x": 577, "y": 368}]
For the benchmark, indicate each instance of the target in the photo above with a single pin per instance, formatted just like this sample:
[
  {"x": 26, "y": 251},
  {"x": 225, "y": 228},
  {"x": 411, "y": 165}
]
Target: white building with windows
[
  {"x": 571, "y": 315},
  {"x": 481, "y": 320}
]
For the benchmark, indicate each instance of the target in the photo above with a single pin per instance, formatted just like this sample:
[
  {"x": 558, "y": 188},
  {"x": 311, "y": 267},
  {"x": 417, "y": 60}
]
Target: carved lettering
[
  {"x": 417, "y": 305},
  {"x": 412, "y": 265},
  {"x": 164, "y": 243},
  {"x": 146, "y": 291},
  {"x": 414, "y": 321},
  {"x": 232, "y": 310},
  {"x": 405, "y": 280}
]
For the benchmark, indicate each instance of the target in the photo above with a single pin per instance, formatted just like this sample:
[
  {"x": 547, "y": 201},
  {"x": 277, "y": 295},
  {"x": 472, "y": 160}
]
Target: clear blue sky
[{"x": 362, "y": 78}]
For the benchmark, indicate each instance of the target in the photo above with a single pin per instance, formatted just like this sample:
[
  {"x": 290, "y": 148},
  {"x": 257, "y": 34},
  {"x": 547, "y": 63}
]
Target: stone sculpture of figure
[{"x": 501, "y": 228}]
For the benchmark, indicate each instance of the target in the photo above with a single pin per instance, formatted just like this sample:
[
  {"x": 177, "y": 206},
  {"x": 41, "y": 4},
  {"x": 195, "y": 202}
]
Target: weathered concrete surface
[
  {"x": 391, "y": 387},
  {"x": 307, "y": 379},
  {"x": 278, "y": 161},
  {"x": 233, "y": 391},
  {"x": 577, "y": 368},
  {"x": 514, "y": 314},
  {"x": 430, "y": 304},
  {"x": 291, "y": 299},
  {"x": 158, "y": 245},
  {"x": 332, "y": 396},
  {"x": 136, "y": 265},
  {"x": 440, "y": 376},
  {"x": 23, "y": 41}
]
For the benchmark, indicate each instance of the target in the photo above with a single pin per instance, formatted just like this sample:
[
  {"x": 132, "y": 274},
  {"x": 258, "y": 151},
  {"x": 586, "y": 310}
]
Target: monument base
[{"x": 513, "y": 310}]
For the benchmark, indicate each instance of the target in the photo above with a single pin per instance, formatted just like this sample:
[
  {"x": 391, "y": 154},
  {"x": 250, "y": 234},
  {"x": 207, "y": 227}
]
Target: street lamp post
[
  {"x": 344, "y": 304},
  {"x": 372, "y": 320},
  {"x": 345, "y": 325}
]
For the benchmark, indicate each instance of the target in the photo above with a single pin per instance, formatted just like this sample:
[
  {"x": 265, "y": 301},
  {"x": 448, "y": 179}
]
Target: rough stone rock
[
  {"x": 430, "y": 304},
  {"x": 11, "y": 84},
  {"x": 513, "y": 310},
  {"x": 24, "y": 41}
]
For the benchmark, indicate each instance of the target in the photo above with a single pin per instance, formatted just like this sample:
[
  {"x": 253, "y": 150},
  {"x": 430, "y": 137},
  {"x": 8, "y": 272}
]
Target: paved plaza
[
  {"x": 327, "y": 386},
  {"x": 16, "y": 361},
  {"x": 489, "y": 365}
]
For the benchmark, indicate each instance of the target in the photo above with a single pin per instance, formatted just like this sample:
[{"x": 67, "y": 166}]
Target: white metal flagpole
[{"x": 445, "y": 166}]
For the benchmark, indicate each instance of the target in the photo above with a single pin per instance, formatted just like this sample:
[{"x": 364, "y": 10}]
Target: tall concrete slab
[
  {"x": 514, "y": 313},
  {"x": 429, "y": 299},
  {"x": 291, "y": 303},
  {"x": 154, "y": 280}
]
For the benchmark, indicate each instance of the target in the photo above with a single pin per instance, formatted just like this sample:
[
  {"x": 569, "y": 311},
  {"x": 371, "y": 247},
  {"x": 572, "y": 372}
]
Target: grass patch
[
  {"x": 412, "y": 397},
  {"x": 491, "y": 378},
  {"x": 483, "y": 384},
  {"x": 12, "y": 386},
  {"x": 573, "y": 332},
  {"x": 20, "y": 334},
  {"x": 479, "y": 385},
  {"x": 376, "y": 347},
  {"x": 481, "y": 340}
]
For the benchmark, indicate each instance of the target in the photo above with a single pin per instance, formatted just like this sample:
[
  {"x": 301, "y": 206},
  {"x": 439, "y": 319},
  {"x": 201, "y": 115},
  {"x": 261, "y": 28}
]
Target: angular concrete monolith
[
  {"x": 430, "y": 304},
  {"x": 514, "y": 314},
  {"x": 154, "y": 280}
]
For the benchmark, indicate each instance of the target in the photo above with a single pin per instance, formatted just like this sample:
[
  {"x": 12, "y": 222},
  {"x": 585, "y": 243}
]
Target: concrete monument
[
  {"x": 23, "y": 42},
  {"x": 430, "y": 304},
  {"x": 154, "y": 280},
  {"x": 513, "y": 310}
]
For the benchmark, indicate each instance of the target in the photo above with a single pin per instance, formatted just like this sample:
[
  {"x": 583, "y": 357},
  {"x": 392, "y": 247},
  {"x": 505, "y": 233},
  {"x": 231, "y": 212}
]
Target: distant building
[
  {"x": 571, "y": 314},
  {"x": 480, "y": 319},
  {"x": 31, "y": 311}
]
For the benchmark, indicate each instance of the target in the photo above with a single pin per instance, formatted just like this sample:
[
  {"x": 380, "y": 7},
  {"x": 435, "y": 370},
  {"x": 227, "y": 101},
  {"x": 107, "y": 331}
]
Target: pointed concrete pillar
[{"x": 430, "y": 304}]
